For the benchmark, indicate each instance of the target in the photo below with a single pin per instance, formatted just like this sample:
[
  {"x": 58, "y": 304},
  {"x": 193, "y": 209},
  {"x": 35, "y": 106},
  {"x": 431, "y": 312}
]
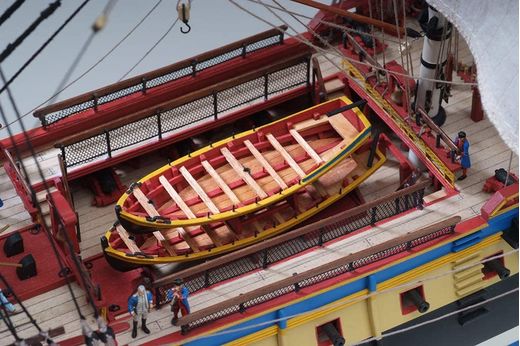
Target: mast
[{"x": 429, "y": 94}]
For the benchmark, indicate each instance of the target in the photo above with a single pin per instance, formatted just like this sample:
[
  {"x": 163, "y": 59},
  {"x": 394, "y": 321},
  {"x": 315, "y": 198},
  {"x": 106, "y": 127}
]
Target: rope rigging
[
  {"x": 43, "y": 15},
  {"x": 96, "y": 27},
  {"x": 43, "y": 46},
  {"x": 108, "y": 53},
  {"x": 38, "y": 207},
  {"x": 10, "y": 10}
]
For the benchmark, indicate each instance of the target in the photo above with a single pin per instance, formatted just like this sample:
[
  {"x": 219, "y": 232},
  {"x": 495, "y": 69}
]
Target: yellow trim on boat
[
  {"x": 311, "y": 177},
  {"x": 247, "y": 241}
]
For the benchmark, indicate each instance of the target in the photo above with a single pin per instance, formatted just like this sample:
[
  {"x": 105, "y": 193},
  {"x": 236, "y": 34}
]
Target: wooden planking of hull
[
  {"x": 268, "y": 222},
  {"x": 247, "y": 172}
]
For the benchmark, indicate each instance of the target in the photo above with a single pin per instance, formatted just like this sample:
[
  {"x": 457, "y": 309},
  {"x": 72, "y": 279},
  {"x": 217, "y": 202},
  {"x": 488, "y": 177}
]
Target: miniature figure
[
  {"x": 139, "y": 306},
  {"x": 462, "y": 144},
  {"x": 10, "y": 308},
  {"x": 178, "y": 295}
]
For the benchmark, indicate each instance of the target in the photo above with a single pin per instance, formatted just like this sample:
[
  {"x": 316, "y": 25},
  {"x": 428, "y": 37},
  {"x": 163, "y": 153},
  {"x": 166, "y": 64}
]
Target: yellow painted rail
[{"x": 421, "y": 146}]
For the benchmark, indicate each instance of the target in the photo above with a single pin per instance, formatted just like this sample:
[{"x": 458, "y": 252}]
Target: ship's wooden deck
[{"x": 487, "y": 150}]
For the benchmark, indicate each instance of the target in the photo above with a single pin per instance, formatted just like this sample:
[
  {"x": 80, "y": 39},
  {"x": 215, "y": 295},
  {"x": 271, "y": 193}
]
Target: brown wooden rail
[
  {"x": 39, "y": 113},
  {"x": 294, "y": 59},
  {"x": 19, "y": 175},
  {"x": 446, "y": 139},
  {"x": 217, "y": 262},
  {"x": 318, "y": 270}
]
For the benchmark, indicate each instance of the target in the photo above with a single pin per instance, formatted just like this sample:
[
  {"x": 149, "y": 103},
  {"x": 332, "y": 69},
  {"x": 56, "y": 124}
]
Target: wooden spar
[
  {"x": 260, "y": 158},
  {"x": 220, "y": 182},
  {"x": 387, "y": 27},
  {"x": 150, "y": 209},
  {"x": 237, "y": 167},
  {"x": 130, "y": 244},
  {"x": 199, "y": 190},
  {"x": 286, "y": 156},
  {"x": 303, "y": 143},
  {"x": 186, "y": 209}
]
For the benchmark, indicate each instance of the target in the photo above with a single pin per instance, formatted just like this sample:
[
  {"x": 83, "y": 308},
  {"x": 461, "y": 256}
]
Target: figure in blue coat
[
  {"x": 178, "y": 295},
  {"x": 139, "y": 305},
  {"x": 462, "y": 144},
  {"x": 6, "y": 304}
]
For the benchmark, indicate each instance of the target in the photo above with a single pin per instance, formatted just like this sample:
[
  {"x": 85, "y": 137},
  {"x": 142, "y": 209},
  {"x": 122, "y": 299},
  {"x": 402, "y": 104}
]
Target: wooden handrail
[
  {"x": 187, "y": 98},
  {"x": 318, "y": 270},
  {"x": 39, "y": 113},
  {"x": 437, "y": 129},
  {"x": 217, "y": 262},
  {"x": 19, "y": 175}
]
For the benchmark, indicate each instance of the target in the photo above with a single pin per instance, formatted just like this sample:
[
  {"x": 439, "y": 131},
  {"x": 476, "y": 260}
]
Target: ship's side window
[
  {"x": 413, "y": 300},
  {"x": 330, "y": 334}
]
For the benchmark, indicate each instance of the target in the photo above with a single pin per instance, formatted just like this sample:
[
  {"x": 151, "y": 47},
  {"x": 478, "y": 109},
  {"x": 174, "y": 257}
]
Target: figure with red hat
[{"x": 178, "y": 295}]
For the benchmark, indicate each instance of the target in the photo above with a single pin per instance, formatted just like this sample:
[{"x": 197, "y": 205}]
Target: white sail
[{"x": 491, "y": 30}]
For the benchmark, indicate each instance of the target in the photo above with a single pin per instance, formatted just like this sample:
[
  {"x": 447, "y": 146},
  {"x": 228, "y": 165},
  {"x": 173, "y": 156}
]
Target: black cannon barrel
[
  {"x": 415, "y": 297},
  {"x": 333, "y": 334},
  {"x": 497, "y": 266}
]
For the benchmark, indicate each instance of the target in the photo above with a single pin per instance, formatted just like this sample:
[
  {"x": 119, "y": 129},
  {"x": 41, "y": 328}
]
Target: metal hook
[
  {"x": 186, "y": 31},
  {"x": 184, "y": 20}
]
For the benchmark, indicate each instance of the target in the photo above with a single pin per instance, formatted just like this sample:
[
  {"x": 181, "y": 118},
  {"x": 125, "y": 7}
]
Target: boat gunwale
[
  {"x": 165, "y": 223},
  {"x": 123, "y": 256}
]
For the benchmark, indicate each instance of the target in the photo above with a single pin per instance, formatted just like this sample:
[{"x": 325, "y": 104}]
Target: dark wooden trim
[
  {"x": 154, "y": 74},
  {"x": 316, "y": 271},
  {"x": 217, "y": 262},
  {"x": 292, "y": 60}
]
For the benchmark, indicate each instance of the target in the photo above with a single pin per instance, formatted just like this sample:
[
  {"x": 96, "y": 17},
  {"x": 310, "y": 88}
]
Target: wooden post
[
  {"x": 65, "y": 180},
  {"x": 477, "y": 113}
]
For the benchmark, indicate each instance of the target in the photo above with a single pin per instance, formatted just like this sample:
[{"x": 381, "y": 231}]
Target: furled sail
[{"x": 491, "y": 30}]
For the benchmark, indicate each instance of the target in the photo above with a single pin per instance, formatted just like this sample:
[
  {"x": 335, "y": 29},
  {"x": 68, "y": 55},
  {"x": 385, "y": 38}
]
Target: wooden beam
[
  {"x": 239, "y": 169},
  {"x": 199, "y": 190},
  {"x": 130, "y": 244},
  {"x": 188, "y": 239},
  {"x": 176, "y": 198},
  {"x": 186, "y": 209},
  {"x": 303, "y": 143},
  {"x": 387, "y": 27},
  {"x": 220, "y": 182},
  {"x": 343, "y": 127},
  {"x": 260, "y": 158},
  {"x": 288, "y": 158},
  {"x": 150, "y": 209}
]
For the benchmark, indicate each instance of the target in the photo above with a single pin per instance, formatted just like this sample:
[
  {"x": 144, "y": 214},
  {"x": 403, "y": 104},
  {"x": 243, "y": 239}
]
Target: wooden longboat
[
  {"x": 247, "y": 172},
  {"x": 125, "y": 251}
]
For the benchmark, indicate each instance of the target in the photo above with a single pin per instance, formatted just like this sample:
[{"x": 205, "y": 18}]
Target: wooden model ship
[{"x": 245, "y": 188}]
